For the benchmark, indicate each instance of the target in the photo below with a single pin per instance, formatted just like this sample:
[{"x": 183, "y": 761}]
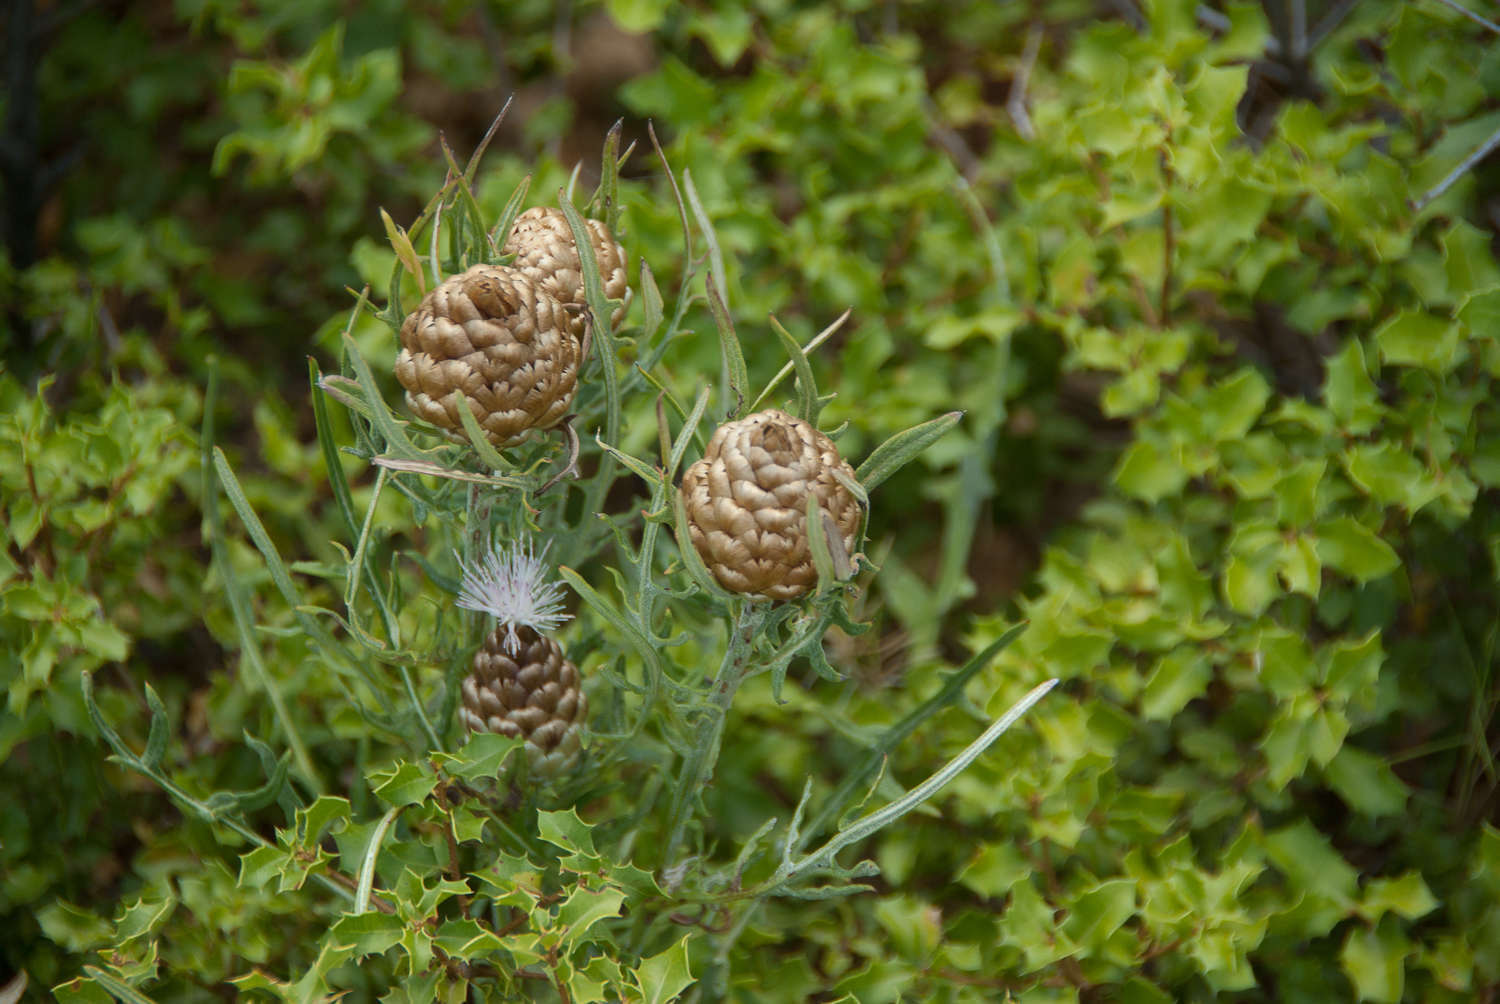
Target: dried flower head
[
  {"x": 510, "y": 583},
  {"x": 531, "y": 693},
  {"x": 747, "y": 501},
  {"x": 495, "y": 339},
  {"x": 542, "y": 242}
]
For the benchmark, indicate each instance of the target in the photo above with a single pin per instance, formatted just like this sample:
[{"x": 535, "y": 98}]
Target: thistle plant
[{"x": 570, "y": 865}]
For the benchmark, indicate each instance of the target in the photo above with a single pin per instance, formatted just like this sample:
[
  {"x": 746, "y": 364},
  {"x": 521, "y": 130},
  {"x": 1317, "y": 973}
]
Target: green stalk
[
  {"x": 699, "y": 765},
  {"x": 421, "y": 709},
  {"x": 239, "y": 603},
  {"x": 880, "y": 818}
]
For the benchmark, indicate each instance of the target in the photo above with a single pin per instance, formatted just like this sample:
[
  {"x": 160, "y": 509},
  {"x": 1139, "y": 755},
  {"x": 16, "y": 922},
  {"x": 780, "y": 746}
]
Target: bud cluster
[{"x": 506, "y": 341}]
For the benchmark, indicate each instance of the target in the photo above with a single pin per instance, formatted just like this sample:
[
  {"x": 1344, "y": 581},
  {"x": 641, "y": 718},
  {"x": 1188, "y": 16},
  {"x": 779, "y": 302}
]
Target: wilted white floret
[{"x": 509, "y": 582}]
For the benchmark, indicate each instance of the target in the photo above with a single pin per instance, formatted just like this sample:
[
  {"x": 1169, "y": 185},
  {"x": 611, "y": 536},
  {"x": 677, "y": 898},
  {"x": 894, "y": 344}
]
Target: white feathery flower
[{"x": 510, "y": 583}]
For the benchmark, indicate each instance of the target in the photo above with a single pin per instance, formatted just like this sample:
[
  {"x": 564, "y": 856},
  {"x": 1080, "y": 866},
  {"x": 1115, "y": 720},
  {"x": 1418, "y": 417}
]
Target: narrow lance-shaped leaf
[
  {"x": 817, "y": 545},
  {"x": 736, "y": 376},
  {"x": 788, "y": 368},
  {"x": 807, "y": 388},
  {"x": 234, "y": 590},
  {"x": 689, "y": 430},
  {"x": 605, "y": 203},
  {"x": 346, "y": 391},
  {"x": 395, "y": 438},
  {"x": 280, "y": 574},
  {"x": 715, "y": 256},
  {"x": 662, "y": 389},
  {"x": 472, "y": 215},
  {"x": 610, "y": 613},
  {"x": 572, "y": 185},
  {"x": 366, "y": 881},
  {"x": 893, "y": 454},
  {"x": 663, "y": 433},
  {"x": 883, "y": 817},
  {"x": 472, "y": 167},
  {"x": 691, "y": 559},
  {"x": 853, "y": 487},
  {"x": 749, "y": 851},
  {"x": 395, "y": 311},
  {"x": 501, "y": 230},
  {"x": 111, "y": 738},
  {"x": 651, "y": 299},
  {"x": 896, "y": 734},
  {"x": 337, "y": 483},
  {"x": 156, "y": 739},
  {"x": 794, "y": 828},
  {"x": 482, "y": 446},
  {"x": 682, "y": 213},
  {"x": 636, "y": 466},
  {"x": 357, "y": 565},
  {"x": 598, "y": 307}
]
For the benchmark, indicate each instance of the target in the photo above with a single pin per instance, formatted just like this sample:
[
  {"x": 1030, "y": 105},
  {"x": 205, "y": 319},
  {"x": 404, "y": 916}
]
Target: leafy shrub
[
  {"x": 460, "y": 883},
  {"x": 1222, "y": 382}
]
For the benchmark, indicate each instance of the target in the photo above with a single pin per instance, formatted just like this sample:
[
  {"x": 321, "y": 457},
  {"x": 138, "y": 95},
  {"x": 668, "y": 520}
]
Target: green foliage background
[{"x": 1229, "y": 448}]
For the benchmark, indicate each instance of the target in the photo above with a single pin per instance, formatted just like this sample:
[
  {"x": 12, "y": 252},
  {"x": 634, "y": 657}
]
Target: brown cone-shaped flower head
[
  {"x": 528, "y": 692},
  {"x": 545, "y": 251},
  {"x": 746, "y": 503},
  {"x": 494, "y": 334}
]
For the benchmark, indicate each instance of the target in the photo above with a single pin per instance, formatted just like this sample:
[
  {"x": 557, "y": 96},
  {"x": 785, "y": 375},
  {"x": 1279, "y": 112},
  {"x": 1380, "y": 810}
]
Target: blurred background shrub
[{"x": 1230, "y": 447}]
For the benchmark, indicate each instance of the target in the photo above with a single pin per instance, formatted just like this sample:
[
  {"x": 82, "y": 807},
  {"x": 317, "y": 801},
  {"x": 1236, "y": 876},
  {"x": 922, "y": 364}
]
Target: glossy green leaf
[
  {"x": 584, "y": 908},
  {"x": 566, "y": 830},
  {"x": 1179, "y": 677},
  {"x": 1375, "y": 962},
  {"x": 638, "y": 15},
  {"x": 1099, "y": 912},
  {"x": 1305, "y": 856},
  {"x": 1414, "y": 338},
  {"x": 1406, "y": 895},
  {"x": 368, "y": 933},
  {"x": 735, "y": 383},
  {"x": 666, "y": 974},
  {"x": 404, "y": 784},
  {"x": 1349, "y": 547},
  {"x": 1148, "y": 472},
  {"x": 481, "y": 758}
]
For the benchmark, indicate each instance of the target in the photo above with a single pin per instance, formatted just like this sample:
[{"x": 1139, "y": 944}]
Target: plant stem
[
  {"x": 874, "y": 821},
  {"x": 859, "y": 777},
  {"x": 239, "y": 603},
  {"x": 716, "y": 976},
  {"x": 699, "y": 765},
  {"x": 435, "y": 744}
]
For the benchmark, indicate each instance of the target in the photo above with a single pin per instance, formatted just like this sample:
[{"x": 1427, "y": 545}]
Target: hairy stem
[{"x": 699, "y": 765}]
